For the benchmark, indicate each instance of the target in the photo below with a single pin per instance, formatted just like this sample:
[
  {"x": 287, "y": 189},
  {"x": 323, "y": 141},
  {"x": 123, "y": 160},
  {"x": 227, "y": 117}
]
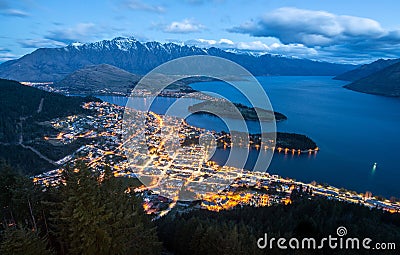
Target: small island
[{"x": 229, "y": 110}]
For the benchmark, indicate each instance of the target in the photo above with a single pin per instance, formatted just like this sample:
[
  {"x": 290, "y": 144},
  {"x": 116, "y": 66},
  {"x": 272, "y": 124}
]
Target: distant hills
[
  {"x": 100, "y": 78},
  {"x": 130, "y": 55},
  {"x": 384, "y": 82},
  {"x": 366, "y": 70},
  {"x": 381, "y": 77}
]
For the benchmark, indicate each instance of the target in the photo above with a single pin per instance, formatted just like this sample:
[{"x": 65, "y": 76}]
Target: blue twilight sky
[{"x": 352, "y": 31}]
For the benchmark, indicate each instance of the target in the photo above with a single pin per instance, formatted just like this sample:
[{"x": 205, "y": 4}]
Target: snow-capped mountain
[{"x": 53, "y": 64}]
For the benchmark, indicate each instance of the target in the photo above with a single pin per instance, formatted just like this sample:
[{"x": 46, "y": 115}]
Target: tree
[
  {"x": 237, "y": 231},
  {"x": 22, "y": 241},
  {"x": 97, "y": 215},
  {"x": 8, "y": 182},
  {"x": 19, "y": 199},
  {"x": 130, "y": 229}
]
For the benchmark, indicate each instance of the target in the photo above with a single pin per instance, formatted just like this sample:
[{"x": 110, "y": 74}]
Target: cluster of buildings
[{"x": 151, "y": 148}]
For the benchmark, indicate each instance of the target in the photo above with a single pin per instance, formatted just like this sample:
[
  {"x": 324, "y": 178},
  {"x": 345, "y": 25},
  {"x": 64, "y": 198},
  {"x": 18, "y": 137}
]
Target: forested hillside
[{"x": 23, "y": 113}]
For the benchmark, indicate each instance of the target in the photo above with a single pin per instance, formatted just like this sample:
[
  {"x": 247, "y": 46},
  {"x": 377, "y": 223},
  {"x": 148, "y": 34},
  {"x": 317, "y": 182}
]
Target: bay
[{"x": 353, "y": 130}]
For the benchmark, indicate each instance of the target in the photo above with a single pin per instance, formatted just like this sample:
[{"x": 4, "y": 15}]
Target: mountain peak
[
  {"x": 121, "y": 43},
  {"x": 121, "y": 39},
  {"x": 76, "y": 44},
  {"x": 129, "y": 54}
]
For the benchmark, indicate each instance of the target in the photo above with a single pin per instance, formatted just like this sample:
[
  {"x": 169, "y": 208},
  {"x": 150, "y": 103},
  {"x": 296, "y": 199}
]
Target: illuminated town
[{"x": 174, "y": 173}]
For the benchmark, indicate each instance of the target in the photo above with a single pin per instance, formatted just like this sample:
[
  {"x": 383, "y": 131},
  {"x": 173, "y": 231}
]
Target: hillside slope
[
  {"x": 102, "y": 78},
  {"x": 366, "y": 70},
  {"x": 385, "y": 82},
  {"x": 24, "y": 112}
]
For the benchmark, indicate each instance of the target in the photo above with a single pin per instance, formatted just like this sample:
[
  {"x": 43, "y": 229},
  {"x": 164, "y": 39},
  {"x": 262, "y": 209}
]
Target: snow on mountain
[{"x": 54, "y": 64}]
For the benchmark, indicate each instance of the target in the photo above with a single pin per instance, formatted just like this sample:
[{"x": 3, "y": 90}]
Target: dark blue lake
[{"x": 353, "y": 130}]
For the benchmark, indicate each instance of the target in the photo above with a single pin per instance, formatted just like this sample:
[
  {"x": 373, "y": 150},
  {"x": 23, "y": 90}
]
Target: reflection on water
[{"x": 353, "y": 130}]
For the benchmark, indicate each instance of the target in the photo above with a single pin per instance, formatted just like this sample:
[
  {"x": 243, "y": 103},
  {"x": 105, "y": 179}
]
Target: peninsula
[{"x": 229, "y": 110}]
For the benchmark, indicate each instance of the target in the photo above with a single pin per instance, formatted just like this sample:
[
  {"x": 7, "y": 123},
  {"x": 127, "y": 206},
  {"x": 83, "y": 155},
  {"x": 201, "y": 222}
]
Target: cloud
[
  {"x": 218, "y": 43},
  {"x": 311, "y": 28},
  {"x": 183, "y": 27},
  {"x": 298, "y": 50},
  {"x": 326, "y": 33},
  {"x": 15, "y": 13},
  {"x": 41, "y": 43},
  {"x": 6, "y": 10},
  {"x": 5, "y": 55},
  {"x": 253, "y": 46},
  {"x": 80, "y": 32},
  {"x": 138, "y": 5},
  {"x": 61, "y": 35},
  {"x": 2, "y": 50}
]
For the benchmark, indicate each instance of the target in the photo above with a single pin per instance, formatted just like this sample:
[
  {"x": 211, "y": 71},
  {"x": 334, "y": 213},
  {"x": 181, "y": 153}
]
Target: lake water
[{"x": 353, "y": 130}]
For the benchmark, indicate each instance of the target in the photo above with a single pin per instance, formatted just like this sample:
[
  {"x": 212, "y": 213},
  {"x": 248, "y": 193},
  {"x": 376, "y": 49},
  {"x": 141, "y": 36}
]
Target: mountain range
[{"x": 54, "y": 64}]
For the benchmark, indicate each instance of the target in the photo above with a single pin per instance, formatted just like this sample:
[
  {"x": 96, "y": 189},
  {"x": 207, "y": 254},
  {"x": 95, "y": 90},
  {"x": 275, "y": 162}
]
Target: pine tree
[
  {"x": 23, "y": 242},
  {"x": 97, "y": 216},
  {"x": 130, "y": 230}
]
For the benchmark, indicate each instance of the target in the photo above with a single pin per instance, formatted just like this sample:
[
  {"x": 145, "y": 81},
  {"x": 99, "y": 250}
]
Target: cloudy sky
[{"x": 349, "y": 31}]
